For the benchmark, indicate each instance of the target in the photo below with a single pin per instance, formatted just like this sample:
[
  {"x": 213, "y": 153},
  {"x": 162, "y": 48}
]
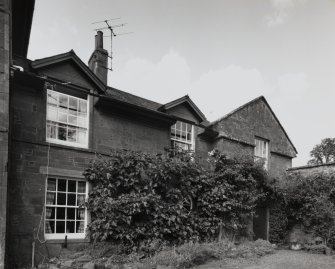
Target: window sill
[
  {"x": 65, "y": 143},
  {"x": 61, "y": 241}
]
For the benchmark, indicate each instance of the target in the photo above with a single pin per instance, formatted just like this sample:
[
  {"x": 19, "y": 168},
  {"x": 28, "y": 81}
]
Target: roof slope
[
  {"x": 132, "y": 99},
  {"x": 260, "y": 98}
]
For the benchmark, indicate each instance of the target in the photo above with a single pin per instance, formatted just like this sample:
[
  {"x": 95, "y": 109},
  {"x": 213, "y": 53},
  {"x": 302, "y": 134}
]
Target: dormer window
[
  {"x": 67, "y": 119},
  {"x": 182, "y": 136},
  {"x": 261, "y": 150}
]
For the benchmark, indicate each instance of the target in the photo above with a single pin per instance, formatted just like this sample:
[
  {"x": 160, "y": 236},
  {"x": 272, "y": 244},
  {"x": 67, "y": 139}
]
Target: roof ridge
[{"x": 55, "y": 55}]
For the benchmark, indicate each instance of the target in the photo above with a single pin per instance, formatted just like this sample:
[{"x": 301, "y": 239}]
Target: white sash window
[{"x": 67, "y": 119}]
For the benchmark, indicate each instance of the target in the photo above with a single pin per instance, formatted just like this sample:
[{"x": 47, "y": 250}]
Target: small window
[
  {"x": 65, "y": 214},
  {"x": 261, "y": 150},
  {"x": 67, "y": 119},
  {"x": 182, "y": 136}
]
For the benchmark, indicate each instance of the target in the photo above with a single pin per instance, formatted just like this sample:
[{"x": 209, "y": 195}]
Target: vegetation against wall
[
  {"x": 307, "y": 200},
  {"x": 138, "y": 197}
]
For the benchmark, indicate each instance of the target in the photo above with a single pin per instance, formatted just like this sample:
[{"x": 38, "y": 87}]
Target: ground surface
[{"x": 282, "y": 259}]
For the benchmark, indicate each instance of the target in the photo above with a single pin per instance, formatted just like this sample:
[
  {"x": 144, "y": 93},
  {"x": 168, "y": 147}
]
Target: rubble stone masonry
[{"x": 4, "y": 116}]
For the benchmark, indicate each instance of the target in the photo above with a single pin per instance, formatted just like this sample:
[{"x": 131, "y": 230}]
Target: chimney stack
[{"x": 99, "y": 59}]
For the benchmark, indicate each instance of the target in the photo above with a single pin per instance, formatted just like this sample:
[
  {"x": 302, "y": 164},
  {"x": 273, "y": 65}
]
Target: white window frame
[
  {"x": 54, "y": 236},
  {"x": 263, "y": 151},
  {"x": 63, "y": 142},
  {"x": 191, "y": 143}
]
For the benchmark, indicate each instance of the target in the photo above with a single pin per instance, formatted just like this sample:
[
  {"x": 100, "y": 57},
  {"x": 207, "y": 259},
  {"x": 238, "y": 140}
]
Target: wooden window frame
[
  {"x": 190, "y": 143},
  {"x": 47, "y": 205},
  {"x": 261, "y": 153},
  {"x": 76, "y": 127}
]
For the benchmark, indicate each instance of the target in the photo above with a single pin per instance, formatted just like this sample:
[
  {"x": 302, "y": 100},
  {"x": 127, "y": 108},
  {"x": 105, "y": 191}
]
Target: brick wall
[{"x": 29, "y": 157}]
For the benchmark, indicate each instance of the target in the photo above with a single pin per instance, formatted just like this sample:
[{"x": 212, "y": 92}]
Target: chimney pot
[{"x": 99, "y": 40}]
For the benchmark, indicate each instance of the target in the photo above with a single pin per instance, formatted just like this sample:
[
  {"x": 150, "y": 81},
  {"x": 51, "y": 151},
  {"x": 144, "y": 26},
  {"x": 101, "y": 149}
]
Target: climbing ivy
[
  {"x": 137, "y": 197},
  {"x": 308, "y": 200}
]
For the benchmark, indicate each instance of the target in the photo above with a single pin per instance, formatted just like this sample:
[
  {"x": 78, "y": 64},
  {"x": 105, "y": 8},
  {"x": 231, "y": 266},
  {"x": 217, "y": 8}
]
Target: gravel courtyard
[{"x": 282, "y": 259}]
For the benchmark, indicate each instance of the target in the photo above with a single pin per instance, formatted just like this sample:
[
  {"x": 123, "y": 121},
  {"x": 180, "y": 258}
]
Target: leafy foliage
[
  {"x": 138, "y": 197},
  {"x": 310, "y": 201},
  {"x": 323, "y": 152}
]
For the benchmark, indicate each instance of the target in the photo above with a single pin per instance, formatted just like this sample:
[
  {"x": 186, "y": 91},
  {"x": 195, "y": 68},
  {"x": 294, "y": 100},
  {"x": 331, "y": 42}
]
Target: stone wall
[
  {"x": 311, "y": 170},
  {"x": 4, "y": 119}
]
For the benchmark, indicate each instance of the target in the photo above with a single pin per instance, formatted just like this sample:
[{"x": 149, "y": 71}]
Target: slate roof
[{"x": 132, "y": 99}]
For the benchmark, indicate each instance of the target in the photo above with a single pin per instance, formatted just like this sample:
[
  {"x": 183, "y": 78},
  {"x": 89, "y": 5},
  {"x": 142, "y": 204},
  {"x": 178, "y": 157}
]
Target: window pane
[
  {"x": 72, "y": 135},
  {"x": 49, "y": 227},
  {"x": 63, "y": 101},
  {"x": 71, "y": 213},
  {"x": 70, "y": 226},
  {"x": 50, "y": 213},
  {"x": 82, "y": 137},
  {"x": 81, "y": 214},
  {"x": 73, "y": 120},
  {"x": 51, "y": 184},
  {"x": 62, "y": 117},
  {"x": 52, "y": 113},
  {"x": 72, "y": 186},
  {"x": 60, "y": 213},
  {"x": 82, "y": 122},
  {"x": 80, "y": 227},
  {"x": 60, "y": 226},
  {"x": 61, "y": 198},
  {"x": 73, "y": 112},
  {"x": 61, "y": 185},
  {"x": 73, "y": 103},
  {"x": 71, "y": 199},
  {"x": 183, "y": 135},
  {"x": 80, "y": 200},
  {"x": 51, "y": 198},
  {"x": 189, "y": 137},
  {"x": 81, "y": 187},
  {"x": 62, "y": 132},
  {"x": 51, "y": 131},
  {"x": 82, "y": 106},
  {"x": 52, "y": 98}
]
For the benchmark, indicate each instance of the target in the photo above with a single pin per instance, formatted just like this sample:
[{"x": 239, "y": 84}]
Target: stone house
[{"x": 62, "y": 113}]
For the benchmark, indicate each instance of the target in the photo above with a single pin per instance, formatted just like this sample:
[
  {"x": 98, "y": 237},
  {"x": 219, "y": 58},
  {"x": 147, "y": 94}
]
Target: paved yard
[{"x": 282, "y": 259}]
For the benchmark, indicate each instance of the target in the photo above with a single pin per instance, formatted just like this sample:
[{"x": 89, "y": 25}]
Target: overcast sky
[{"x": 221, "y": 53}]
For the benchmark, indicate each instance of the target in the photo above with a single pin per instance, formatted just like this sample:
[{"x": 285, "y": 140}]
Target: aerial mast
[{"x": 112, "y": 35}]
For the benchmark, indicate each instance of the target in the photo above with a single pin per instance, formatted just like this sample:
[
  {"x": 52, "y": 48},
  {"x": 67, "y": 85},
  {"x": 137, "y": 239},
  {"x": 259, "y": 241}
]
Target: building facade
[{"x": 62, "y": 114}]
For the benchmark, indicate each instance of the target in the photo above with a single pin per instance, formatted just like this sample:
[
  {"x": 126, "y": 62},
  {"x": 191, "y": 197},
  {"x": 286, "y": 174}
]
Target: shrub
[
  {"x": 137, "y": 198},
  {"x": 278, "y": 222},
  {"x": 309, "y": 200}
]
